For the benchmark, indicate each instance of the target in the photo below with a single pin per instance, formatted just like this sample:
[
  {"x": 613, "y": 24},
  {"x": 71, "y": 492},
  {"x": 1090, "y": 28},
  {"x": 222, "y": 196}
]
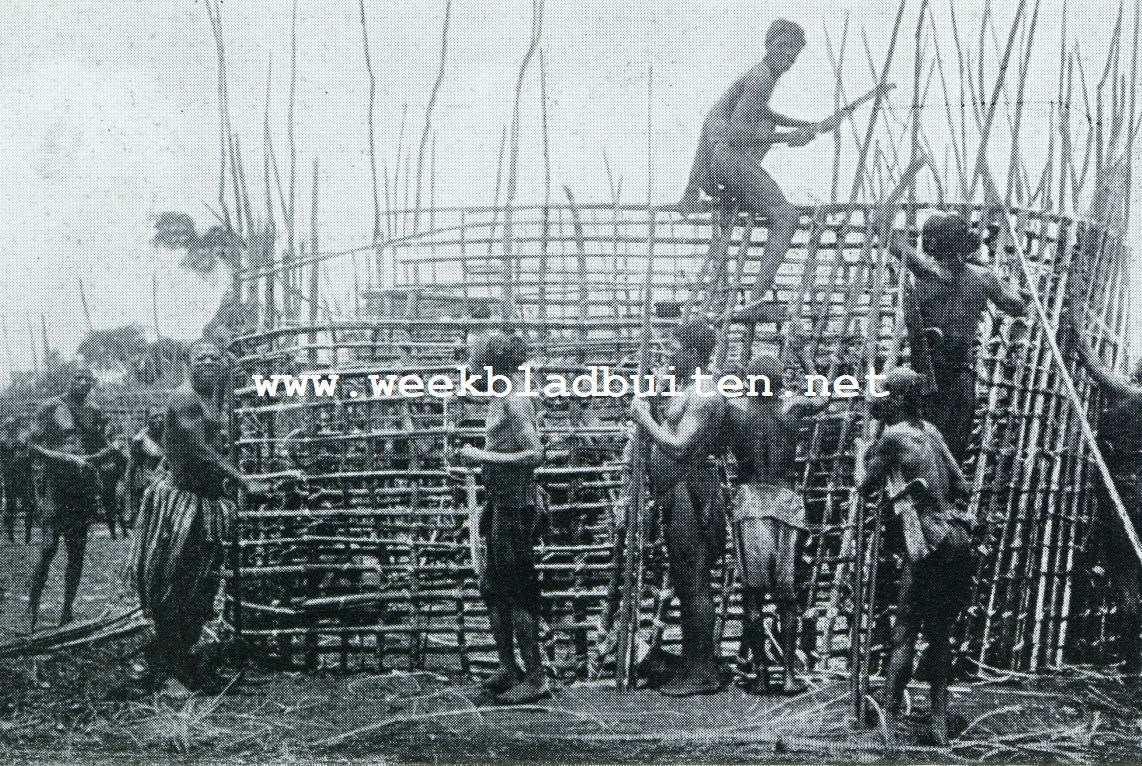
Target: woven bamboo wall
[{"x": 367, "y": 563}]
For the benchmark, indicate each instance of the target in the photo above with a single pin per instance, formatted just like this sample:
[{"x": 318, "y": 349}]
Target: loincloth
[
  {"x": 767, "y": 549},
  {"x": 767, "y": 501},
  {"x": 937, "y": 587},
  {"x": 179, "y": 549},
  {"x": 510, "y": 575}
]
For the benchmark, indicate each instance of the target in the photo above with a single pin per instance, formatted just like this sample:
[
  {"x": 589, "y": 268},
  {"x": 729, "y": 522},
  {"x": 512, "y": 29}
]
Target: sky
[{"x": 109, "y": 116}]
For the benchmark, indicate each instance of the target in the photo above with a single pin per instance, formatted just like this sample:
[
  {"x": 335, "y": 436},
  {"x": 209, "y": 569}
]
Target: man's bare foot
[
  {"x": 694, "y": 680},
  {"x": 938, "y": 733},
  {"x": 502, "y": 681},
  {"x": 65, "y": 618},
  {"x": 757, "y": 686},
  {"x": 793, "y": 686},
  {"x": 533, "y": 687}
]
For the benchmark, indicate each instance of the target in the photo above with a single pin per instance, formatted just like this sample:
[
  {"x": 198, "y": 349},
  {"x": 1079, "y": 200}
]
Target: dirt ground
[{"x": 69, "y": 707}]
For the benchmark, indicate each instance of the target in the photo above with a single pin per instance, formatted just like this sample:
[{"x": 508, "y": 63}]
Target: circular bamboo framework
[{"x": 368, "y": 561}]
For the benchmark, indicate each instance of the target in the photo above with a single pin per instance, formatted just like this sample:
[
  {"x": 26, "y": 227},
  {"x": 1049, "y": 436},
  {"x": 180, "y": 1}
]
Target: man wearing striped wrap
[{"x": 184, "y": 523}]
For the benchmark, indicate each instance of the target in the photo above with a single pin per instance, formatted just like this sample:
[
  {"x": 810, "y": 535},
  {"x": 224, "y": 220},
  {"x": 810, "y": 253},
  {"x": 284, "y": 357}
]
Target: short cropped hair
[
  {"x": 906, "y": 388},
  {"x": 785, "y": 30},
  {"x": 769, "y": 366},
  {"x": 697, "y": 335},
  {"x": 948, "y": 236},
  {"x": 497, "y": 350}
]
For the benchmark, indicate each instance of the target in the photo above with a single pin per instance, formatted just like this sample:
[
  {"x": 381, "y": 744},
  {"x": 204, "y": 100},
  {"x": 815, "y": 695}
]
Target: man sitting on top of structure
[
  {"x": 738, "y": 133},
  {"x": 946, "y": 301},
  {"x": 912, "y": 459},
  {"x": 511, "y": 521}
]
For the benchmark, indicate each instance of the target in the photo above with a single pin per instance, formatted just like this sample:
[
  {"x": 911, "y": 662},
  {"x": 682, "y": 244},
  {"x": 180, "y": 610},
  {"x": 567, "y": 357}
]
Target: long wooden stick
[
  {"x": 629, "y": 617},
  {"x": 1072, "y": 393},
  {"x": 428, "y": 113}
]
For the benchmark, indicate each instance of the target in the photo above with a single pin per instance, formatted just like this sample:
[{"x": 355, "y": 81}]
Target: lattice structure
[{"x": 368, "y": 561}]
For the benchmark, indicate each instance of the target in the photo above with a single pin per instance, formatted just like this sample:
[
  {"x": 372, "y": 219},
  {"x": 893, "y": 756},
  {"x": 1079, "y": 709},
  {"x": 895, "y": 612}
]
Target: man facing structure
[
  {"x": 923, "y": 479},
  {"x": 1120, "y": 441},
  {"x": 768, "y": 514},
  {"x": 945, "y": 306},
  {"x": 510, "y": 522},
  {"x": 185, "y": 522},
  {"x": 67, "y": 439},
  {"x": 686, "y": 481}
]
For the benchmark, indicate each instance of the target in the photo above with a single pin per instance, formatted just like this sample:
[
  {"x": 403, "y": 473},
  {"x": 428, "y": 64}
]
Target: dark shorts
[
  {"x": 510, "y": 576},
  {"x": 936, "y": 589}
]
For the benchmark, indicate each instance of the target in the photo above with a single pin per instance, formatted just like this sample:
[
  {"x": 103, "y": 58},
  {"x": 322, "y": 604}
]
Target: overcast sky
[{"x": 109, "y": 116}]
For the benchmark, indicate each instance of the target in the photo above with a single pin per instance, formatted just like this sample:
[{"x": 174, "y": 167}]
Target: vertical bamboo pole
[
  {"x": 428, "y": 112},
  {"x": 630, "y": 615}
]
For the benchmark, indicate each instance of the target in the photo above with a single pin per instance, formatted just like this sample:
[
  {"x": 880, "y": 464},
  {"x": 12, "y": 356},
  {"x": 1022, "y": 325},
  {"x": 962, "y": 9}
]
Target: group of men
[
  {"x": 925, "y": 427},
  {"x": 175, "y": 495}
]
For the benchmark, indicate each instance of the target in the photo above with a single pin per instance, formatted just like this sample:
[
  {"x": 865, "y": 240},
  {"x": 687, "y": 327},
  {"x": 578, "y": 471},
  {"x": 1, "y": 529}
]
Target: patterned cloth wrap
[
  {"x": 766, "y": 501},
  {"x": 179, "y": 548}
]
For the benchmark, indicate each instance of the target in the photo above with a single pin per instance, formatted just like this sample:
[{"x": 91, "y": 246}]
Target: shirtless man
[
  {"x": 934, "y": 589},
  {"x": 143, "y": 458},
  {"x": 768, "y": 514},
  {"x": 737, "y": 134},
  {"x": 510, "y": 523},
  {"x": 950, "y": 295},
  {"x": 686, "y": 482},
  {"x": 185, "y": 522},
  {"x": 68, "y": 440},
  {"x": 1120, "y": 441}
]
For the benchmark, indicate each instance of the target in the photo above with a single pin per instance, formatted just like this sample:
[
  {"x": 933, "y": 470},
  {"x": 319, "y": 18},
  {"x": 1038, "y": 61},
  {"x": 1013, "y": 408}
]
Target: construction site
[{"x": 352, "y": 588}]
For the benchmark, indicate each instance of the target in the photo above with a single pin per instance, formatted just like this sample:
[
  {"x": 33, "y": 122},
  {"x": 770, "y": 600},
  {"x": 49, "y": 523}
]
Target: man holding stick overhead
[
  {"x": 945, "y": 304},
  {"x": 737, "y": 134},
  {"x": 686, "y": 482},
  {"x": 922, "y": 481},
  {"x": 1120, "y": 440},
  {"x": 512, "y": 520}
]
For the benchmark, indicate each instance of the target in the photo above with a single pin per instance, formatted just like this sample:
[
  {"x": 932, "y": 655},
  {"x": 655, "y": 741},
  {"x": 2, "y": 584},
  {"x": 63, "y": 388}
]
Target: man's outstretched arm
[
  {"x": 1006, "y": 298},
  {"x": 1112, "y": 383}
]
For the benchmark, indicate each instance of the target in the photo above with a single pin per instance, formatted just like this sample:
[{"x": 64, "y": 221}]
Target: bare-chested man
[
  {"x": 950, "y": 295},
  {"x": 68, "y": 440},
  {"x": 1120, "y": 441},
  {"x": 737, "y": 134},
  {"x": 768, "y": 514},
  {"x": 686, "y": 481},
  {"x": 185, "y": 522},
  {"x": 935, "y": 588},
  {"x": 510, "y": 523},
  {"x": 144, "y": 455}
]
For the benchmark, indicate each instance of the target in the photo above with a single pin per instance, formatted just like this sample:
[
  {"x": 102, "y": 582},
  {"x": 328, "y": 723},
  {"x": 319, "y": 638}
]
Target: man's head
[
  {"x": 694, "y": 343},
  {"x": 769, "y": 366},
  {"x": 783, "y": 42},
  {"x": 502, "y": 352},
  {"x": 205, "y": 362},
  {"x": 906, "y": 392},
  {"x": 948, "y": 236},
  {"x": 155, "y": 421},
  {"x": 82, "y": 381}
]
